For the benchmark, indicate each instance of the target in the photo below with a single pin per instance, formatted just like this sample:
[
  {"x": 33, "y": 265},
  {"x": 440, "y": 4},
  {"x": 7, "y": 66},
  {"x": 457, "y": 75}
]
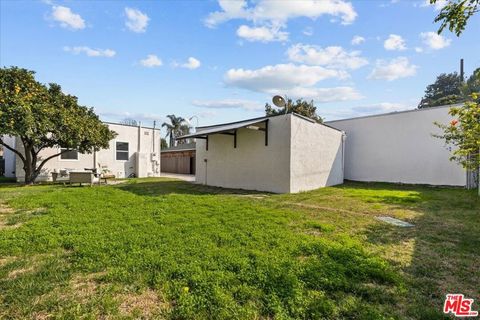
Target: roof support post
[
  {"x": 206, "y": 144},
  {"x": 266, "y": 132},
  {"x": 235, "y": 139}
]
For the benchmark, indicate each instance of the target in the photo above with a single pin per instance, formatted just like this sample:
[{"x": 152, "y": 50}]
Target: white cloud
[
  {"x": 434, "y": 41},
  {"x": 382, "y": 107},
  {"x": 191, "y": 64},
  {"x": 108, "y": 53},
  {"x": 280, "y": 76},
  {"x": 263, "y": 34},
  {"x": 359, "y": 111},
  {"x": 137, "y": 21},
  {"x": 334, "y": 57},
  {"x": 394, "y": 42},
  {"x": 119, "y": 115},
  {"x": 394, "y": 69},
  {"x": 438, "y": 5},
  {"x": 67, "y": 18},
  {"x": 418, "y": 49},
  {"x": 229, "y": 104},
  {"x": 308, "y": 31},
  {"x": 151, "y": 61},
  {"x": 356, "y": 40},
  {"x": 295, "y": 81},
  {"x": 281, "y": 11},
  {"x": 321, "y": 95}
]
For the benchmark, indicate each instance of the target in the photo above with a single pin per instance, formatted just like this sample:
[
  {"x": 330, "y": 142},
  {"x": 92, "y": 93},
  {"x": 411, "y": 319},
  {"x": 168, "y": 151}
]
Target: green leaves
[
  {"x": 455, "y": 14},
  {"x": 463, "y": 133},
  {"x": 43, "y": 116},
  {"x": 300, "y": 106}
]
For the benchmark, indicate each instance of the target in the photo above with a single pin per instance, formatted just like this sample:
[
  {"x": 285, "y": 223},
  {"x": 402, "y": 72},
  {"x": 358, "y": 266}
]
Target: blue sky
[{"x": 221, "y": 61}]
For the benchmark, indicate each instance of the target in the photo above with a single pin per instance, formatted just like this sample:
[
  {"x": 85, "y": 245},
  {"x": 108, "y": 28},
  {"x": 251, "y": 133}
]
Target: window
[
  {"x": 68, "y": 155},
  {"x": 122, "y": 150}
]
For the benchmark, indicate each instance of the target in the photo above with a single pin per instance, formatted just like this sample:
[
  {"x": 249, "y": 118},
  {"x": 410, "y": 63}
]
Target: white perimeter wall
[
  {"x": 399, "y": 147},
  {"x": 316, "y": 156},
  {"x": 107, "y": 157},
  {"x": 251, "y": 165}
]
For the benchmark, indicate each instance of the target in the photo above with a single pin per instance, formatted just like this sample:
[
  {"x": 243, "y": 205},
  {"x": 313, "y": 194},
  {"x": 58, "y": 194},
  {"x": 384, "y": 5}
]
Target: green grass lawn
[{"x": 159, "y": 248}]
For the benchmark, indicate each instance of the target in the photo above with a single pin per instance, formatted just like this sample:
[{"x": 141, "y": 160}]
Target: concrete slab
[
  {"x": 395, "y": 222},
  {"x": 184, "y": 177}
]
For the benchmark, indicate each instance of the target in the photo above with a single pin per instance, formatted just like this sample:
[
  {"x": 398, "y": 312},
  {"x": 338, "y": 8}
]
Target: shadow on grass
[
  {"x": 445, "y": 256},
  {"x": 173, "y": 186}
]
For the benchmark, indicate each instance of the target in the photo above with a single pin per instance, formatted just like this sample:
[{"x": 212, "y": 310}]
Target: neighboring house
[
  {"x": 284, "y": 153},
  {"x": 135, "y": 151},
  {"x": 400, "y": 147},
  {"x": 179, "y": 159}
]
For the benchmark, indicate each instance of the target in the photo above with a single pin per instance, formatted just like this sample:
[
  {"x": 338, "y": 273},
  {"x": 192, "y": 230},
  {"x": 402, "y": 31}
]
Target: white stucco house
[
  {"x": 135, "y": 151},
  {"x": 281, "y": 154}
]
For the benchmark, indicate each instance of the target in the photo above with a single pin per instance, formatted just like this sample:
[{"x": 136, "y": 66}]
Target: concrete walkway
[{"x": 184, "y": 177}]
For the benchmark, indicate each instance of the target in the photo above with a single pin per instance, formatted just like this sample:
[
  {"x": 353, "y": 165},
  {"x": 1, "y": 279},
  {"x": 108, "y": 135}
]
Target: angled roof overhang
[{"x": 260, "y": 124}]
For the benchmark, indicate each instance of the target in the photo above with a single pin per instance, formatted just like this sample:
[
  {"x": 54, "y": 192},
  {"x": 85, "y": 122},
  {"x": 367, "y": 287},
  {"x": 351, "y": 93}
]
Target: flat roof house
[
  {"x": 281, "y": 154},
  {"x": 135, "y": 151}
]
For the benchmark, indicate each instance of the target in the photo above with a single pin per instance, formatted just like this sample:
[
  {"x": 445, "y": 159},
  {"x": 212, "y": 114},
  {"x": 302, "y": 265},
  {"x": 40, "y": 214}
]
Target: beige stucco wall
[
  {"x": 316, "y": 156},
  {"x": 300, "y": 156},
  {"x": 106, "y": 157},
  {"x": 399, "y": 147},
  {"x": 251, "y": 165}
]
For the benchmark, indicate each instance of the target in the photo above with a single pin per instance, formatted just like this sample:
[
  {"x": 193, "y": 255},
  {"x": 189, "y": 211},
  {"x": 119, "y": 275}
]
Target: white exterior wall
[
  {"x": 400, "y": 148},
  {"x": 107, "y": 157},
  {"x": 251, "y": 165},
  {"x": 9, "y": 157},
  {"x": 316, "y": 156},
  {"x": 300, "y": 156}
]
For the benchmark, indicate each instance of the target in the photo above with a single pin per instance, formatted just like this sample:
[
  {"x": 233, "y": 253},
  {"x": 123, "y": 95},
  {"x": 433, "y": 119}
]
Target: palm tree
[{"x": 173, "y": 128}]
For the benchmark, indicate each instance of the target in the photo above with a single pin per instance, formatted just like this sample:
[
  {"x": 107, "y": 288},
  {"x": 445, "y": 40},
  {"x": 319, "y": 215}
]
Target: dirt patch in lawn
[
  {"x": 145, "y": 304},
  {"x": 17, "y": 272},
  {"x": 4, "y": 209}
]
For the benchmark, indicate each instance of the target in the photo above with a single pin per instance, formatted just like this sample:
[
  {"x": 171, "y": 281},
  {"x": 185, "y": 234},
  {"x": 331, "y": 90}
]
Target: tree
[
  {"x": 445, "y": 90},
  {"x": 163, "y": 144},
  {"x": 463, "y": 133},
  {"x": 473, "y": 85},
  {"x": 449, "y": 88},
  {"x": 173, "y": 128},
  {"x": 43, "y": 117},
  {"x": 129, "y": 122},
  {"x": 300, "y": 106},
  {"x": 455, "y": 14},
  {"x": 184, "y": 129}
]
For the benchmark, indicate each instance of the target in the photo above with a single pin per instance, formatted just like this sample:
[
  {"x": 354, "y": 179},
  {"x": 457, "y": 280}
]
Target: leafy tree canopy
[
  {"x": 175, "y": 128},
  {"x": 463, "y": 133},
  {"x": 449, "y": 88},
  {"x": 455, "y": 14},
  {"x": 129, "y": 122},
  {"x": 300, "y": 106},
  {"x": 42, "y": 116},
  {"x": 163, "y": 144}
]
